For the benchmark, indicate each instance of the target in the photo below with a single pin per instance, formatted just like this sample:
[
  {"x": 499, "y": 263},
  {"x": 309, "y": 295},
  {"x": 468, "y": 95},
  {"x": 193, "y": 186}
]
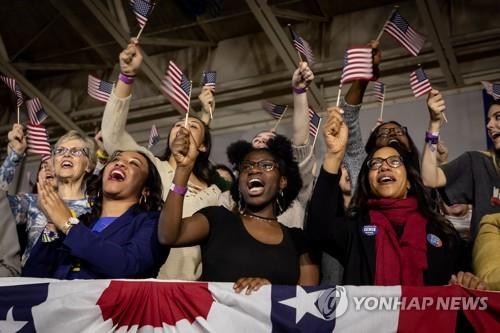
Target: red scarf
[{"x": 399, "y": 261}]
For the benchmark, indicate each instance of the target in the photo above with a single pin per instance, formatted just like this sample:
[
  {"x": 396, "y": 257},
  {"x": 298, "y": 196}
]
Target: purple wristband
[
  {"x": 180, "y": 190},
  {"x": 299, "y": 90},
  {"x": 127, "y": 79},
  {"x": 432, "y": 138}
]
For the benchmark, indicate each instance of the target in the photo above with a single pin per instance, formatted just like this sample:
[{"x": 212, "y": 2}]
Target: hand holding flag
[
  {"x": 302, "y": 77},
  {"x": 131, "y": 58},
  {"x": 436, "y": 106},
  {"x": 17, "y": 139}
]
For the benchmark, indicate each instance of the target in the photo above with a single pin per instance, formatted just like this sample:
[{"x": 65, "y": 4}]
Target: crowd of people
[{"x": 375, "y": 213}]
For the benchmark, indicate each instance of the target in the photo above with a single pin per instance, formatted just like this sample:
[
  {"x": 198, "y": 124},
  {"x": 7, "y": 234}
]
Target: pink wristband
[
  {"x": 126, "y": 78},
  {"x": 299, "y": 90},
  {"x": 180, "y": 190}
]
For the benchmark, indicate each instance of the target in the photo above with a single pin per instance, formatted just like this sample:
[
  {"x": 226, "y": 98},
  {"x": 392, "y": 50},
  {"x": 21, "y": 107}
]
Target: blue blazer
[{"x": 127, "y": 248}]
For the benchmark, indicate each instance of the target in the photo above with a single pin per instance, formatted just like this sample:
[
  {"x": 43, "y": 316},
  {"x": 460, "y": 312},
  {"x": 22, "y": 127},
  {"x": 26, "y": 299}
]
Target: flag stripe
[
  {"x": 177, "y": 87},
  {"x": 398, "y": 27},
  {"x": 358, "y": 64}
]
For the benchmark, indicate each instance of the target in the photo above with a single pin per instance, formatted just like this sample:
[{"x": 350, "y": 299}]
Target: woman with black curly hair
[
  {"x": 117, "y": 239},
  {"x": 248, "y": 246}
]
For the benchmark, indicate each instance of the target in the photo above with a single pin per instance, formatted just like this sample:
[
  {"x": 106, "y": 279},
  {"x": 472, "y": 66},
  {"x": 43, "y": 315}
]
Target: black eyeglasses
[
  {"x": 386, "y": 131},
  {"x": 264, "y": 165},
  {"x": 376, "y": 162}
]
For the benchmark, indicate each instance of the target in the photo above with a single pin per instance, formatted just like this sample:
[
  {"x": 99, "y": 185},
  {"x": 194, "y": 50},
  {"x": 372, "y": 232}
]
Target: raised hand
[
  {"x": 251, "y": 284},
  {"x": 17, "y": 139},
  {"x": 131, "y": 58},
  {"x": 335, "y": 132},
  {"x": 436, "y": 106},
  {"x": 303, "y": 76},
  {"x": 184, "y": 149},
  {"x": 52, "y": 205}
]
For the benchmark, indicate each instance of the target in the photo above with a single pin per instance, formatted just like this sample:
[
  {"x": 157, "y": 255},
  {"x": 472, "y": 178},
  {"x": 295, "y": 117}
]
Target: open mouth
[
  {"x": 393, "y": 140},
  {"x": 66, "y": 164},
  {"x": 255, "y": 186},
  {"x": 117, "y": 175},
  {"x": 385, "y": 179},
  {"x": 494, "y": 136},
  {"x": 49, "y": 177}
]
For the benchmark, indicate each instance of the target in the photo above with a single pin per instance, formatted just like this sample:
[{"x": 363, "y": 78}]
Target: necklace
[{"x": 260, "y": 218}]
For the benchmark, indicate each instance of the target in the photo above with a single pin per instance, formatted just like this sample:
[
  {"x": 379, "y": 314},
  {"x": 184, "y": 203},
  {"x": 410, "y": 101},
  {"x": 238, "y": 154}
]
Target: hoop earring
[
  {"x": 143, "y": 199},
  {"x": 280, "y": 197},
  {"x": 241, "y": 203}
]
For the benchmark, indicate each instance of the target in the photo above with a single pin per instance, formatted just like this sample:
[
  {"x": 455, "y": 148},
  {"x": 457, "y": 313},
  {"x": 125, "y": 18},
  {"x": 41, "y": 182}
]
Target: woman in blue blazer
[{"x": 117, "y": 239}]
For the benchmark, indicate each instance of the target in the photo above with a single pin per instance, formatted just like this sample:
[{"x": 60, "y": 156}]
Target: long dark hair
[
  {"x": 95, "y": 195},
  {"x": 413, "y": 156},
  {"x": 281, "y": 149},
  {"x": 203, "y": 168},
  {"x": 358, "y": 205}
]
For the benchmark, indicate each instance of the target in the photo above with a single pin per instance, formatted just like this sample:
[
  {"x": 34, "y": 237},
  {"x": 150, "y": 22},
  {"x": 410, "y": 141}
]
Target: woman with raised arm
[
  {"x": 249, "y": 246},
  {"x": 389, "y": 235},
  {"x": 182, "y": 263},
  {"x": 473, "y": 177},
  {"x": 117, "y": 239},
  {"x": 71, "y": 163}
]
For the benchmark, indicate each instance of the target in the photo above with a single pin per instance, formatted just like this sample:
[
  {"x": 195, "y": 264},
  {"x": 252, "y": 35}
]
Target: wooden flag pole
[
  {"x": 316, "y": 136},
  {"x": 291, "y": 33},
  {"x": 279, "y": 119},
  {"x": 189, "y": 103},
  {"x": 139, "y": 34},
  {"x": 396, "y": 7},
  {"x": 18, "y": 115},
  {"x": 338, "y": 95},
  {"x": 210, "y": 109},
  {"x": 382, "y": 107}
]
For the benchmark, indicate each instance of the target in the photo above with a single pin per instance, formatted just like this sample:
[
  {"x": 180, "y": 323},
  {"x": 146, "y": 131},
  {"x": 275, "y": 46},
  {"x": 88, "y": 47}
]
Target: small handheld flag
[
  {"x": 38, "y": 140},
  {"x": 302, "y": 47},
  {"x": 154, "y": 137},
  {"x": 208, "y": 79},
  {"x": 419, "y": 82},
  {"x": 177, "y": 87},
  {"x": 14, "y": 87},
  {"x": 379, "y": 91},
  {"x": 493, "y": 89},
  {"x": 277, "y": 111},
  {"x": 99, "y": 89},
  {"x": 36, "y": 113},
  {"x": 142, "y": 9},
  {"x": 399, "y": 28},
  {"x": 358, "y": 65},
  {"x": 314, "y": 123}
]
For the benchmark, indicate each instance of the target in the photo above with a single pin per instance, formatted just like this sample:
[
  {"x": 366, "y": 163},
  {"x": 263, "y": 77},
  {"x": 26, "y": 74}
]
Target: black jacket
[{"x": 346, "y": 239}]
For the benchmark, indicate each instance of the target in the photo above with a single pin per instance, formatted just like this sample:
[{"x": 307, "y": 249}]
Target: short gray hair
[{"x": 88, "y": 143}]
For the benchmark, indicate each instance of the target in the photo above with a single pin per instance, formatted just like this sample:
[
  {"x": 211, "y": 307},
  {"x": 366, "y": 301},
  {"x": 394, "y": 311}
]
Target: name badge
[
  {"x": 370, "y": 230},
  {"x": 434, "y": 240}
]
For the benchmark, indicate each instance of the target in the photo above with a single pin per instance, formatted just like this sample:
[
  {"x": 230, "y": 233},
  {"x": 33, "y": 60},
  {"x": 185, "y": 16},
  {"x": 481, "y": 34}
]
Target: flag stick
[
  {"x": 316, "y": 136},
  {"x": 18, "y": 115},
  {"x": 382, "y": 30},
  {"x": 189, "y": 103},
  {"x": 300, "y": 57},
  {"x": 338, "y": 95},
  {"x": 279, "y": 119},
  {"x": 382, "y": 108},
  {"x": 210, "y": 109},
  {"x": 444, "y": 117},
  {"x": 140, "y": 32}
]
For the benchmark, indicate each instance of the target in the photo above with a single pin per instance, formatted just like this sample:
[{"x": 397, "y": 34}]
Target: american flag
[
  {"x": 177, "y": 87},
  {"x": 397, "y": 26},
  {"x": 314, "y": 122},
  {"x": 419, "y": 82},
  {"x": 154, "y": 137},
  {"x": 493, "y": 89},
  {"x": 14, "y": 87},
  {"x": 303, "y": 47},
  {"x": 358, "y": 64},
  {"x": 38, "y": 140},
  {"x": 36, "y": 113},
  {"x": 99, "y": 89},
  {"x": 275, "y": 110},
  {"x": 208, "y": 79},
  {"x": 142, "y": 9},
  {"x": 379, "y": 91}
]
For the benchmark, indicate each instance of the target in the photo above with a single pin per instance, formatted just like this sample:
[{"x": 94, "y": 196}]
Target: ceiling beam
[
  {"x": 40, "y": 66},
  {"x": 121, "y": 16},
  {"x": 4, "y": 55},
  {"x": 175, "y": 42},
  {"x": 76, "y": 22},
  {"x": 297, "y": 16},
  {"x": 122, "y": 38},
  {"x": 281, "y": 42},
  {"x": 430, "y": 14},
  {"x": 52, "y": 110}
]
